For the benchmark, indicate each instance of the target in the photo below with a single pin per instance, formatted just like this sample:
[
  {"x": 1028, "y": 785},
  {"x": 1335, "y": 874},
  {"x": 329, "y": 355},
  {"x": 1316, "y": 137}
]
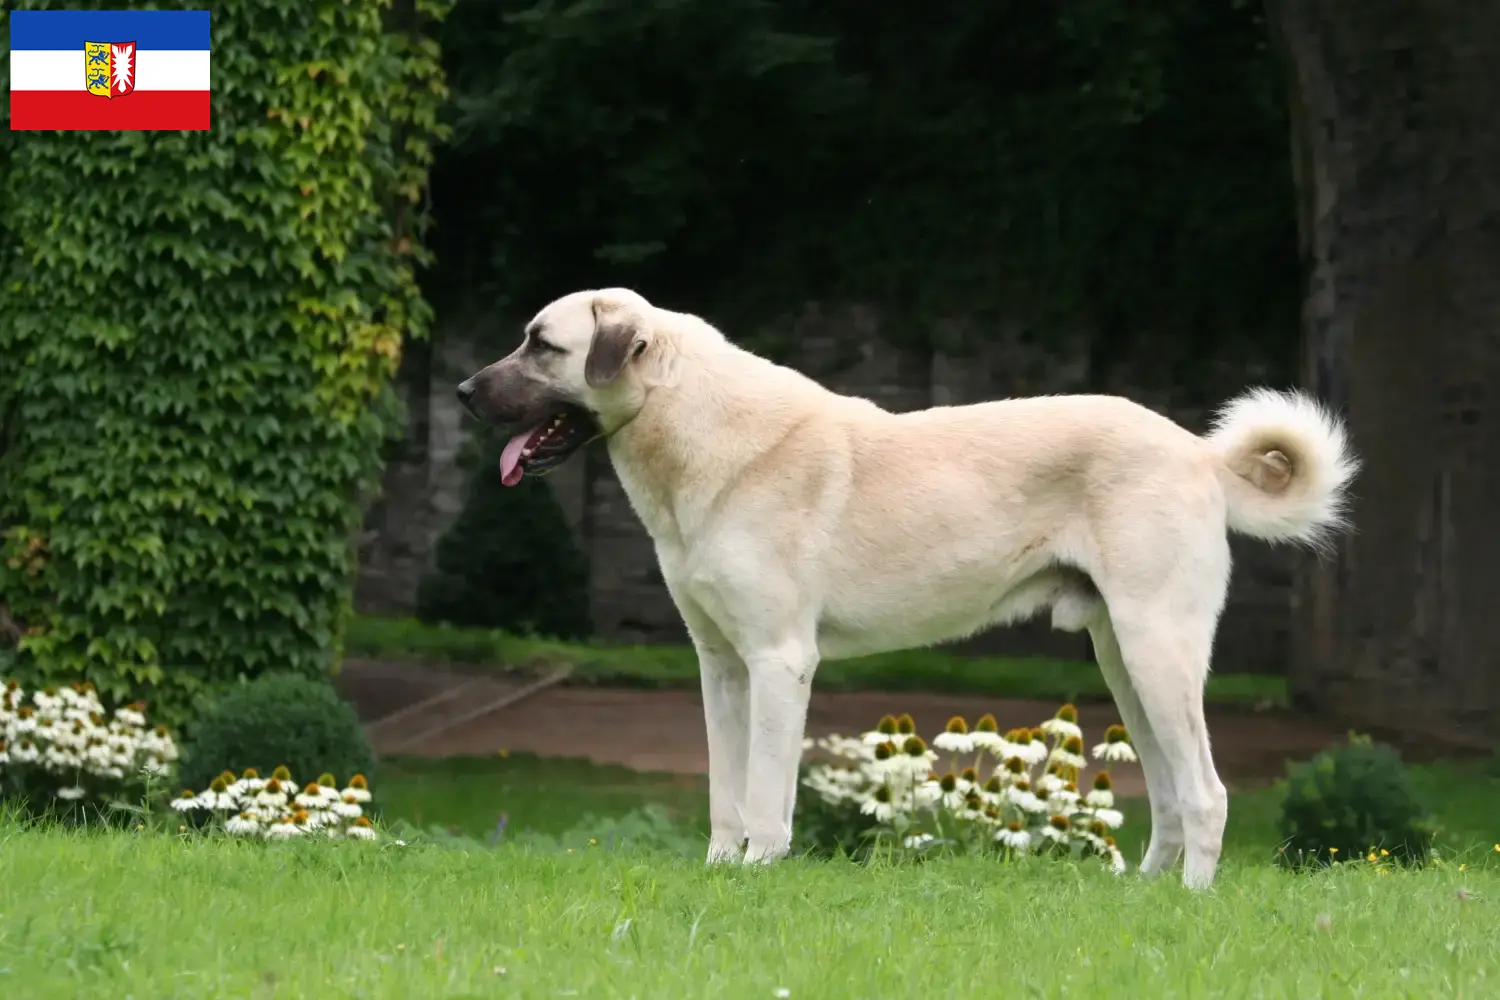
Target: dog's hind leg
[
  {"x": 1166, "y": 815},
  {"x": 1166, "y": 653}
]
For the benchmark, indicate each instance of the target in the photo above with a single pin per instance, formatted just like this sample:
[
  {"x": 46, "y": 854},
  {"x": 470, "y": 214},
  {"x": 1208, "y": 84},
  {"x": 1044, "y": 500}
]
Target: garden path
[{"x": 655, "y": 730}]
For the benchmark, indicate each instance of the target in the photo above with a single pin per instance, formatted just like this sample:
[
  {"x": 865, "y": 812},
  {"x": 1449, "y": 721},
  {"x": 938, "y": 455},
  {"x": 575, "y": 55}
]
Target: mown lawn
[
  {"x": 154, "y": 915},
  {"x": 666, "y": 666},
  {"x": 546, "y": 796}
]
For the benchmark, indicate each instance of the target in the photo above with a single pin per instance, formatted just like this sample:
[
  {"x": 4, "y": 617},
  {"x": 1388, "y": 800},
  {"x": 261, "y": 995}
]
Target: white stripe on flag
[{"x": 156, "y": 69}]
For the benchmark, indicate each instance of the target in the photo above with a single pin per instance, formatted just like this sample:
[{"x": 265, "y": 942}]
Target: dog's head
[{"x": 577, "y": 375}]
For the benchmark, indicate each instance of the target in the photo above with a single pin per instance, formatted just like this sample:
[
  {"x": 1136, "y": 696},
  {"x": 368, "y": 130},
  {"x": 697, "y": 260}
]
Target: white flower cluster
[
  {"x": 991, "y": 794},
  {"x": 61, "y": 741},
  {"x": 252, "y": 806}
]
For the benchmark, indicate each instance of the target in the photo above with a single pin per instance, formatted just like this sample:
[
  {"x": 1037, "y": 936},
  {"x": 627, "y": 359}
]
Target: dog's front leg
[
  {"x": 780, "y": 688},
  {"x": 726, "y": 714}
]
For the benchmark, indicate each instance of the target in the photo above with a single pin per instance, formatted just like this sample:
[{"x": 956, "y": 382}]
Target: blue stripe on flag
[{"x": 62, "y": 30}]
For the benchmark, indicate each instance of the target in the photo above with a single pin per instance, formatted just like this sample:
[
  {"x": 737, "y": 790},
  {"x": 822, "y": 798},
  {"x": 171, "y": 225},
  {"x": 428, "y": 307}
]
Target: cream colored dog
[{"x": 794, "y": 524}]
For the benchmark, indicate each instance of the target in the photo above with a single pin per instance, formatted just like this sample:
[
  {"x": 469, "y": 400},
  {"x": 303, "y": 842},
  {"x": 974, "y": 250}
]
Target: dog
[{"x": 794, "y": 524}]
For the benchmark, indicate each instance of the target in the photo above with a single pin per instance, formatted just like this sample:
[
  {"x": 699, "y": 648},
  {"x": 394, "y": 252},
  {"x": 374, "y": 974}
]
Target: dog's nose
[{"x": 466, "y": 391}]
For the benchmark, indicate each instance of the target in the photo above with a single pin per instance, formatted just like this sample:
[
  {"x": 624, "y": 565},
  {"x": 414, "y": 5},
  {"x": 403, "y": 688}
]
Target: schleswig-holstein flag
[{"x": 109, "y": 69}]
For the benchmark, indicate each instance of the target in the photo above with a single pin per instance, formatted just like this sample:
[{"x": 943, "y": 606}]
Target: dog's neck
[{"x": 689, "y": 441}]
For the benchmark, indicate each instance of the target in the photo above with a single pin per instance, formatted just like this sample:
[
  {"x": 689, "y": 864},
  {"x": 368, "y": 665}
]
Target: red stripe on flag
[{"x": 143, "y": 110}]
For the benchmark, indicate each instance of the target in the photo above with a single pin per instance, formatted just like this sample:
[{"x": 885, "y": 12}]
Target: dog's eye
[{"x": 545, "y": 346}]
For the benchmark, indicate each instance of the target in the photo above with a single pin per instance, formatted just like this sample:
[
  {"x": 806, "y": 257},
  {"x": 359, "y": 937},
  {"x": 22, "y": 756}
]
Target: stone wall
[{"x": 846, "y": 349}]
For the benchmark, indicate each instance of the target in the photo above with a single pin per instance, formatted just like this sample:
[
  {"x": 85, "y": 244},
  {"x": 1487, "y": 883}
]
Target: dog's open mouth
[{"x": 540, "y": 449}]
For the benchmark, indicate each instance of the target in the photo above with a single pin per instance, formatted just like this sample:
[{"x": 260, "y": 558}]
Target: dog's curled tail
[{"x": 1285, "y": 465}]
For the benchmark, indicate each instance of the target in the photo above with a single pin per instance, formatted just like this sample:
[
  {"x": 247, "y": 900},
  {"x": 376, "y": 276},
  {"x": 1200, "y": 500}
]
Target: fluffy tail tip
[{"x": 1289, "y": 465}]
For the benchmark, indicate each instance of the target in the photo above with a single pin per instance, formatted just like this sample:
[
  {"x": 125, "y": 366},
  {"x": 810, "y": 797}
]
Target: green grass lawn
[
  {"x": 538, "y": 794},
  {"x": 666, "y": 666},
  {"x": 101, "y": 914}
]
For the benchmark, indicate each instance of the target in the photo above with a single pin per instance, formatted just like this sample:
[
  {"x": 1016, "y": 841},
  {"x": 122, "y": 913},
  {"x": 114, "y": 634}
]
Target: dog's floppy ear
[{"x": 619, "y": 335}]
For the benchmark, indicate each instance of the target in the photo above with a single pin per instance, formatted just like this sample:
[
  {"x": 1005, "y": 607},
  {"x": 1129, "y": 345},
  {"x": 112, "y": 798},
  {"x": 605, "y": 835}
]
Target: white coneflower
[
  {"x": 56, "y": 758},
  {"x": 1050, "y": 782},
  {"x": 153, "y": 768},
  {"x": 879, "y": 805},
  {"x": 919, "y": 759},
  {"x": 972, "y": 808},
  {"x": 1064, "y": 724},
  {"x": 218, "y": 797},
  {"x": 159, "y": 743},
  {"x": 1063, "y": 798},
  {"x": 1015, "y": 837},
  {"x": 1021, "y": 796},
  {"x": 272, "y": 794},
  {"x": 1056, "y": 828},
  {"x": 186, "y": 802},
  {"x": 1116, "y": 746},
  {"x": 1009, "y": 749},
  {"x": 310, "y": 797},
  {"x": 24, "y": 752},
  {"x": 361, "y": 829},
  {"x": 130, "y": 715},
  {"x": 1068, "y": 754},
  {"x": 71, "y": 793},
  {"x": 1102, "y": 795},
  {"x": 1033, "y": 750},
  {"x": 918, "y": 841},
  {"x": 242, "y": 824},
  {"x": 951, "y": 794},
  {"x": 4, "y": 752},
  {"x": 316, "y": 819},
  {"x": 847, "y": 747},
  {"x": 359, "y": 788},
  {"x": 1116, "y": 861},
  {"x": 282, "y": 829},
  {"x": 24, "y": 722},
  {"x": 955, "y": 737},
  {"x": 986, "y": 736},
  {"x": 885, "y": 761},
  {"x": 1111, "y": 818},
  {"x": 885, "y": 731},
  {"x": 249, "y": 783}
]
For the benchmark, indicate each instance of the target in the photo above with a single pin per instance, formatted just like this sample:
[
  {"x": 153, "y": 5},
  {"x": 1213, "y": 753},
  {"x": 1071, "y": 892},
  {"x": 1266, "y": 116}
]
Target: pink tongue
[{"x": 510, "y": 458}]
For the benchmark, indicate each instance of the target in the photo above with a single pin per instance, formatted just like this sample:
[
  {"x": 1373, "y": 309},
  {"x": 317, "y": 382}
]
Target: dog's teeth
[{"x": 525, "y": 452}]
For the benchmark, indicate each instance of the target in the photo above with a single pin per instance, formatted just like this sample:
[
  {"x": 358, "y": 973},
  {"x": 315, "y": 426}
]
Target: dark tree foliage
[{"x": 1123, "y": 165}]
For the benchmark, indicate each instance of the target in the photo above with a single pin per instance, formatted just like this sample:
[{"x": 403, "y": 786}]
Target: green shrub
[
  {"x": 278, "y": 719},
  {"x": 198, "y": 332},
  {"x": 1348, "y": 800},
  {"x": 508, "y": 562}
]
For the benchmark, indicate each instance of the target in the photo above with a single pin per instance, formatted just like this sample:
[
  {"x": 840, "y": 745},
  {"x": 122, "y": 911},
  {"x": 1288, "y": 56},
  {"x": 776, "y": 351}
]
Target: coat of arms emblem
[{"x": 109, "y": 68}]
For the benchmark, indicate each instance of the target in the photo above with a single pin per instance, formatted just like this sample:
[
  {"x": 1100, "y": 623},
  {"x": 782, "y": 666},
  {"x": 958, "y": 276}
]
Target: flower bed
[
  {"x": 1014, "y": 793},
  {"x": 274, "y": 808},
  {"x": 59, "y": 748}
]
